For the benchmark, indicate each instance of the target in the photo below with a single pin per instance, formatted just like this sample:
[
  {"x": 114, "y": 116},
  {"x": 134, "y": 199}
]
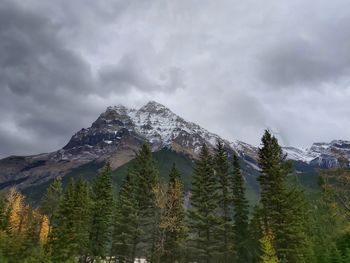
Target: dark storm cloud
[
  {"x": 220, "y": 63},
  {"x": 46, "y": 84},
  {"x": 38, "y": 76}
]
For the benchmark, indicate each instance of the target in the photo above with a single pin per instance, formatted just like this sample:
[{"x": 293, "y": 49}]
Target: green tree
[
  {"x": 51, "y": 201},
  {"x": 224, "y": 234},
  {"x": 241, "y": 211},
  {"x": 203, "y": 219},
  {"x": 146, "y": 180},
  {"x": 283, "y": 210},
  {"x": 82, "y": 218},
  {"x": 62, "y": 242},
  {"x": 101, "y": 214},
  {"x": 126, "y": 232}
]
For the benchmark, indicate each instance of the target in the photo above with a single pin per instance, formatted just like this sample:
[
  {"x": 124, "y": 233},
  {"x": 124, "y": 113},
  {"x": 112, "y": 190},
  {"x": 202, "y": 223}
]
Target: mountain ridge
[{"x": 118, "y": 133}]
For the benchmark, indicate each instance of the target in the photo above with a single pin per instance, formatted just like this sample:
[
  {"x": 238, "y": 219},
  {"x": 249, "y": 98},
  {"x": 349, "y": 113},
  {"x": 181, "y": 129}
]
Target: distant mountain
[
  {"x": 322, "y": 155},
  {"x": 119, "y": 132}
]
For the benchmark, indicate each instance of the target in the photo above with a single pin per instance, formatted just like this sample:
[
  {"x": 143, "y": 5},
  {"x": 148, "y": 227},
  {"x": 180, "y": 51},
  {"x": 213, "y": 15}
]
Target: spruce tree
[
  {"x": 203, "y": 220},
  {"x": 173, "y": 221},
  {"x": 51, "y": 201},
  {"x": 224, "y": 230},
  {"x": 282, "y": 211},
  {"x": 101, "y": 214},
  {"x": 255, "y": 234},
  {"x": 62, "y": 243},
  {"x": 241, "y": 210},
  {"x": 81, "y": 217},
  {"x": 126, "y": 232},
  {"x": 146, "y": 180}
]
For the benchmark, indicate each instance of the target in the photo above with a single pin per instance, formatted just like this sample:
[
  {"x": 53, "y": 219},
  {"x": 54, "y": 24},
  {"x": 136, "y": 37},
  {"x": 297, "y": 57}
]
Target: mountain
[
  {"x": 119, "y": 132},
  {"x": 322, "y": 155},
  {"x": 115, "y": 137}
]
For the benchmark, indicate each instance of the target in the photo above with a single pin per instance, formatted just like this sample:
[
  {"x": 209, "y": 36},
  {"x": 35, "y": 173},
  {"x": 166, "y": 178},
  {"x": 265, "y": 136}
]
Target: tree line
[{"x": 157, "y": 221}]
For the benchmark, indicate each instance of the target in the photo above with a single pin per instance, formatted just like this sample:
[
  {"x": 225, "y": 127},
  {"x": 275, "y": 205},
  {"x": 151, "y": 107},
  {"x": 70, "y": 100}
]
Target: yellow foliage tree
[
  {"x": 44, "y": 229},
  {"x": 16, "y": 208},
  {"x": 268, "y": 252}
]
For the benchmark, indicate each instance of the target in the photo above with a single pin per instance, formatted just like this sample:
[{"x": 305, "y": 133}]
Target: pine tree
[
  {"x": 255, "y": 234},
  {"x": 203, "y": 220},
  {"x": 172, "y": 222},
  {"x": 51, "y": 202},
  {"x": 62, "y": 242},
  {"x": 3, "y": 213},
  {"x": 102, "y": 212},
  {"x": 126, "y": 232},
  {"x": 146, "y": 180},
  {"x": 70, "y": 234},
  {"x": 282, "y": 211},
  {"x": 241, "y": 210},
  {"x": 81, "y": 217},
  {"x": 224, "y": 235}
]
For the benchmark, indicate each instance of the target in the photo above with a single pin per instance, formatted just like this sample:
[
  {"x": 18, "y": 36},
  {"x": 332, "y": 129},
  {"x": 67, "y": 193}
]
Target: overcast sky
[{"x": 234, "y": 67}]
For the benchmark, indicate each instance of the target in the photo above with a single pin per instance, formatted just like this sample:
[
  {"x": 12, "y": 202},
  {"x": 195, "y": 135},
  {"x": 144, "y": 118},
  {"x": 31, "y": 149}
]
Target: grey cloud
[
  {"x": 40, "y": 80},
  {"x": 63, "y": 62},
  {"x": 131, "y": 74},
  {"x": 317, "y": 56}
]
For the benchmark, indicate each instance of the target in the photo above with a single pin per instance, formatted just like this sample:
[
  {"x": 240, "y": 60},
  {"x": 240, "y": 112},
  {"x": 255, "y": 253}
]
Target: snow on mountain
[
  {"x": 303, "y": 155},
  {"x": 162, "y": 128},
  {"x": 324, "y": 155},
  {"x": 158, "y": 125}
]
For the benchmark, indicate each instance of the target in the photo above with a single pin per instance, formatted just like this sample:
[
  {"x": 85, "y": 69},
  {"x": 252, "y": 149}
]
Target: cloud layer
[{"x": 234, "y": 67}]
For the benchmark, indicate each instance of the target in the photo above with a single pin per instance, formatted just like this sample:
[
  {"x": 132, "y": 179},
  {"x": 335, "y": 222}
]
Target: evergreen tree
[
  {"x": 282, "y": 211},
  {"x": 203, "y": 220},
  {"x": 70, "y": 233},
  {"x": 173, "y": 221},
  {"x": 81, "y": 217},
  {"x": 51, "y": 201},
  {"x": 146, "y": 176},
  {"x": 102, "y": 212},
  {"x": 126, "y": 232},
  {"x": 3, "y": 213},
  {"x": 255, "y": 234},
  {"x": 224, "y": 234},
  {"x": 241, "y": 210},
  {"x": 62, "y": 242}
]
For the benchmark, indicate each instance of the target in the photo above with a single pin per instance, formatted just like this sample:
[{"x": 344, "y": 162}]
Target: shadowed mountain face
[{"x": 119, "y": 132}]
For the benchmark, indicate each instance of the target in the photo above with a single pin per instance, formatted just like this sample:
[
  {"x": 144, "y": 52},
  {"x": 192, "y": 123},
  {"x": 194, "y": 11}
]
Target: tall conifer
[
  {"x": 240, "y": 204},
  {"x": 51, "y": 201},
  {"x": 224, "y": 230},
  {"x": 282, "y": 210},
  {"x": 126, "y": 232},
  {"x": 146, "y": 180},
  {"x": 102, "y": 212},
  {"x": 203, "y": 220}
]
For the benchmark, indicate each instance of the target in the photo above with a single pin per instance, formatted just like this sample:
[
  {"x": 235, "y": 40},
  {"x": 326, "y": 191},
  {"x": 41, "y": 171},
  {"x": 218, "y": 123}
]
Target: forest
[{"x": 148, "y": 218}]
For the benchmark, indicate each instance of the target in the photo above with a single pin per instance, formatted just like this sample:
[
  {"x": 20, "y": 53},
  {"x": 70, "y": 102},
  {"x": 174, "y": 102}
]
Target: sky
[{"x": 233, "y": 67}]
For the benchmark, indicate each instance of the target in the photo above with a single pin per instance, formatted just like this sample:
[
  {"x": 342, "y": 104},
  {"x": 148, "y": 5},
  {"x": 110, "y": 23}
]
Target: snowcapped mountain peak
[
  {"x": 153, "y": 106},
  {"x": 156, "y": 124},
  {"x": 153, "y": 123}
]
